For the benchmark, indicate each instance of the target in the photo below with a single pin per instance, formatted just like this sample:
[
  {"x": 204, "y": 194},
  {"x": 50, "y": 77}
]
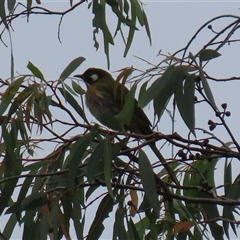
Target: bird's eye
[{"x": 94, "y": 77}]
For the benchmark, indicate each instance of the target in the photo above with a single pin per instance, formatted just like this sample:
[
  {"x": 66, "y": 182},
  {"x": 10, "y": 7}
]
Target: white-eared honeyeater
[{"x": 105, "y": 97}]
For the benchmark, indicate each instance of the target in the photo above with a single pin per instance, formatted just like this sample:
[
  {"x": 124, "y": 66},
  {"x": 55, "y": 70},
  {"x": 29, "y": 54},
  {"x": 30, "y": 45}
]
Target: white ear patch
[{"x": 94, "y": 77}]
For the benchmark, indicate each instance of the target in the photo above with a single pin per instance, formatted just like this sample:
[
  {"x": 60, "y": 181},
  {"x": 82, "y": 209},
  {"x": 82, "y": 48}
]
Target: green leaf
[
  {"x": 54, "y": 219},
  {"x": 121, "y": 18},
  {"x": 126, "y": 7},
  {"x": 76, "y": 153},
  {"x": 184, "y": 96},
  {"x": 227, "y": 177},
  {"x": 95, "y": 161},
  {"x": 131, "y": 30},
  {"x": 132, "y": 229},
  {"x": 108, "y": 164},
  {"x": 168, "y": 77},
  {"x": 211, "y": 212},
  {"x": 72, "y": 66},
  {"x": 97, "y": 227},
  {"x": 148, "y": 181},
  {"x": 22, "y": 96},
  {"x": 29, "y": 4},
  {"x": 139, "y": 12},
  {"x": 16, "y": 208},
  {"x": 35, "y": 71},
  {"x": 9, "y": 227},
  {"x": 3, "y": 13},
  {"x": 189, "y": 95},
  {"x": 70, "y": 90},
  {"x": 76, "y": 216},
  {"x": 147, "y": 27},
  {"x": 119, "y": 228},
  {"x": 11, "y": 162},
  {"x": 207, "y": 89},
  {"x": 99, "y": 21},
  {"x": 6, "y": 193},
  {"x": 161, "y": 100},
  {"x": 142, "y": 90},
  {"x": 72, "y": 101},
  {"x": 35, "y": 200},
  {"x": 208, "y": 54},
  {"x": 43, "y": 226},
  {"x": 77, "y": 88},
  {"x": 125, "y": 116},
  {"x": 9, "y": 94},
  {"x": 231, "y": 192}
]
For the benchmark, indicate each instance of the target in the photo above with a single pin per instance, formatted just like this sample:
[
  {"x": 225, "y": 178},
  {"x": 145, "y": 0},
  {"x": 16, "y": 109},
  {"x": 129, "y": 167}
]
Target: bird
[{"x": 105, "y": 100}]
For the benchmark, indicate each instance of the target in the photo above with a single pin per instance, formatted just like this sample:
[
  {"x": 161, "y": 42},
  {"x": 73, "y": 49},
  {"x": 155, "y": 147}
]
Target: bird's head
[{"x": 93, "y": 75}]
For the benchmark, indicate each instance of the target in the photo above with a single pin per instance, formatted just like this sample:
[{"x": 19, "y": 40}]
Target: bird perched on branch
[{"x": 105, "y": 99}]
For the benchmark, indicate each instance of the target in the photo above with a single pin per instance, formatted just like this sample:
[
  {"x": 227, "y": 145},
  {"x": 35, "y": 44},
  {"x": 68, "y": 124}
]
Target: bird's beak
[{"x": 79, "y": 76}]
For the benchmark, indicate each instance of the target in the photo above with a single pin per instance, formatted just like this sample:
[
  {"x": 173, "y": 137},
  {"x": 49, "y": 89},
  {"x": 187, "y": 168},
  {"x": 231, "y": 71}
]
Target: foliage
[
  {"x": 128, "y": 14},
  {"x": 55, "y": 165}
]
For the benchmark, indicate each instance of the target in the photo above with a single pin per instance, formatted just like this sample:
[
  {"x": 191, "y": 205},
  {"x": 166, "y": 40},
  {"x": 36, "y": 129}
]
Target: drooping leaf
[
  {"x": 161, "y": 100},
  {"x": 148, "y": 181},
  {"x": 208, "y": 54},
  {"x": 22, "y": 96},
  {"x": 131, "y": 30},
  {"x": 3, "y": 13},
  {"x": 95, "y": 161},
  {"x": 78, "y": 219},
  {"x": 9, "y": 94},
  {"x": 6, "y": 193},
  {"x": 99, "y": 22},
  {"x": 157, "y": 86},
  {"x": 9, "y": 227},
  {"x": 133, "y": 234},
  {"x": 119, "y": 231},
  {"x": 72, "y": 101},
  {"x": 125, "y": 116},
  {"x": 97, "y": 227},
  {"x": 207, "y": 89},
  {"x": 107, "y": 158},
  {"x": 115, "y": 8},
  {"x": 189, "y": 94},
  {"x": 139, "y": 12},
  {"x": 35, "y": 200},
  {"x": 126, "y": 7},
  {"x": 184, "y": 97},
  {"x": 147, "y": 27},
  {"x": 76, "y": 153}
]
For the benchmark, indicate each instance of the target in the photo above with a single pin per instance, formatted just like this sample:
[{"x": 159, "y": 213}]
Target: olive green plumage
[
  {"x": 105, "y": 96},
  {"x": 105, "y": 100}
]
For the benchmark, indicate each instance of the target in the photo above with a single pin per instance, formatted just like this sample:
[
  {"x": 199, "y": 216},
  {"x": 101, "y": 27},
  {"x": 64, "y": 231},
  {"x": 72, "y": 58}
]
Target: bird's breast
[{"x": 94, "y": 98}]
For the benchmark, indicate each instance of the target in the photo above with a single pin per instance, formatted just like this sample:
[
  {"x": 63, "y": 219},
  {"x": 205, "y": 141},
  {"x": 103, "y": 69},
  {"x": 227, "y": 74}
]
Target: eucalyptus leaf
[
  {"x": 76, "y": 153},
  {"x": 97, "y": 227},
  {"x": 148, "y": 181},
  {"x": 107, "y": 158},
  {"x": 208, "y": 54},
  {"x": 95, "y": 161},
  {"x": 157, "y": 86},
  {"x": 72, "y": 66},
  {"x": 72, "y": 101},
  {"x": 35, "y": 71},
  {"x": 125, "y": 116},
  {"x": 207, "y": 89}
]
